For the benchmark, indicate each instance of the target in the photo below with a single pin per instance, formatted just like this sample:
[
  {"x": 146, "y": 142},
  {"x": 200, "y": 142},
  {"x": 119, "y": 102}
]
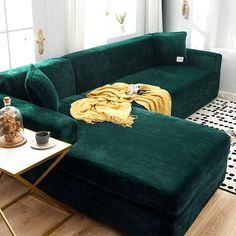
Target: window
[
  {"x": 106, "y": 19},
  {"x": 121, "y": 17},
  {"x": 16, "y": 34}
]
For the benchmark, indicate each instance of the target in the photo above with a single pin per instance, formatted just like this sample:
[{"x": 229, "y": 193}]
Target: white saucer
[{"x": 48, "y": 145}]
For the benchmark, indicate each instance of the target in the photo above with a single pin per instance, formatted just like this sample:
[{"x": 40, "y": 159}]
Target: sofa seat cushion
[
  {"x": 189, "y": 86},
  {"x": 174, "y": 163},
  {"x": 64, "y": 104}
]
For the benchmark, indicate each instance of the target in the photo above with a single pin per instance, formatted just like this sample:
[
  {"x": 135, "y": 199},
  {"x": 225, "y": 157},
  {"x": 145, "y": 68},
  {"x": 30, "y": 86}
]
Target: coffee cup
[{"x": 42, "y": 137}]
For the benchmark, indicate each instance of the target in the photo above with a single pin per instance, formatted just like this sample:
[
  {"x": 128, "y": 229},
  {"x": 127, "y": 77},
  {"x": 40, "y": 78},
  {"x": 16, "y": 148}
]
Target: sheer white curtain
[
  {"x": 75, "y": 14},
  {"x": 85, "y": 24},
  {"x": 95, "y": 33},
  {"x": 154, "y": 16}
]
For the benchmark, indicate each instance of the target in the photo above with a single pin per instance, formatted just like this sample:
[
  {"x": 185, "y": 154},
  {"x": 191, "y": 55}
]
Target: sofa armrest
[
  {"x": 205, "y": 60},
  {"x": 38, "y": 118}
]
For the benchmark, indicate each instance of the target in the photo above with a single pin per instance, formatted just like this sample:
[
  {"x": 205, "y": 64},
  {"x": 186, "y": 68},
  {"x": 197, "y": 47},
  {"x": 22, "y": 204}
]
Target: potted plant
[{"x": 121, "y": 19}]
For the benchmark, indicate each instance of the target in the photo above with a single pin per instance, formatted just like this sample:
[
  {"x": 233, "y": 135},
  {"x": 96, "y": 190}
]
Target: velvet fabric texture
[
  {"x": 153, "y": 193},
  {"x": 153, "y": 179},
  {"x": 40, "y": 89},
  {"x": 166, "y": 179},
  {"x": 198, "y": 86},
  {"x": 207, "y": 61},
  {"x": 39, "y": 118},
  {"x": 12, "y": 82},
  {"x": 169, "y": 46},
  {"x": 58, "y": 70},
  {"x": 135, "y": 218},
  {"x": 64, "y": 104},
  {"x": 105, "y": 64},
  {"x": 188, "y": 86}
]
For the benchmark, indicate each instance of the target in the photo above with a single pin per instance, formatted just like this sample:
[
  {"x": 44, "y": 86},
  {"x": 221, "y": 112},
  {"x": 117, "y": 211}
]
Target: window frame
[{"x": 7, "y": 32}]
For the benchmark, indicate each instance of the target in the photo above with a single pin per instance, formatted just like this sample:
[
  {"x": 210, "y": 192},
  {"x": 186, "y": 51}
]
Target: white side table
[{"x": 16, "y": 161}]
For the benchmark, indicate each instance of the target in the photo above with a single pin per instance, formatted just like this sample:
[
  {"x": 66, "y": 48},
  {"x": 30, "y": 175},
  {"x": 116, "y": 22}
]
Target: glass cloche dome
[{"x": 11, "y": 126}]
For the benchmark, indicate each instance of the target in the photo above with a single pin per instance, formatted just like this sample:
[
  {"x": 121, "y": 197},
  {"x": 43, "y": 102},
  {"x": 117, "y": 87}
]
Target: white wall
[
  {"x": 228, "y": 79},
  {"x": 226, "y": 45},
  {"x": 226, "y": 33},
  {"x": 211, "y": 26},
  {"x": 201, "y": 25}
]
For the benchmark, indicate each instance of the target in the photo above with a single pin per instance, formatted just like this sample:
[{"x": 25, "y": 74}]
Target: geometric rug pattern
[{"x": 221, "y": 114}]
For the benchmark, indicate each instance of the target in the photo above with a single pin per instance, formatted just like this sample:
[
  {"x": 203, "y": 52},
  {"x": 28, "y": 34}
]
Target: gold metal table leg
[
  {"x": 37, "y": 192},
  {"x": 33, "y": 189},
  {"x": 7, "y": 223},
  {"x": 58, "y": 159}
]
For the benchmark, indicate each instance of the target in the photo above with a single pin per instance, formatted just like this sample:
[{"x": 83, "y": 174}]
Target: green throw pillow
[
  {"x": 170, "y": 48},
  {"x": 40, "y": 89}
]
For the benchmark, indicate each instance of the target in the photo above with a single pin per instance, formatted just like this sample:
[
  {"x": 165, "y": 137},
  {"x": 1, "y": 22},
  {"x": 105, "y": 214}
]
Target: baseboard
[{"x": 227, "y": 96}]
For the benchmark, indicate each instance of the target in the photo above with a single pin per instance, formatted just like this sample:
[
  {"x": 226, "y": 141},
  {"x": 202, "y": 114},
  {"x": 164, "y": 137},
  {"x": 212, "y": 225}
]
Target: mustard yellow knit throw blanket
[{"x": 113, "y": 104}]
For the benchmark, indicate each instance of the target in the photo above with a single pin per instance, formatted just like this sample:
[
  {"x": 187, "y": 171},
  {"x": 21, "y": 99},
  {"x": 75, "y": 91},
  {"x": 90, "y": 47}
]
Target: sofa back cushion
[
  {"x": 12, "y": 82},
  {"x": 170, "y": 48},
  {"x": 40, "y": 89},
  {"x": 58, "y": 70},
  {"x": 101, "y": 65}
]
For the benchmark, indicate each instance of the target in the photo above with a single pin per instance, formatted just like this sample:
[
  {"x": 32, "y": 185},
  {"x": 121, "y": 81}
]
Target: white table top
[{"x": 15, "y": 160}]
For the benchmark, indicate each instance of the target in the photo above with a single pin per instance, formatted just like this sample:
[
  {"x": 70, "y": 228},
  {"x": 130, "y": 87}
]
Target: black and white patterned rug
[{"x": 221, "y": 114}]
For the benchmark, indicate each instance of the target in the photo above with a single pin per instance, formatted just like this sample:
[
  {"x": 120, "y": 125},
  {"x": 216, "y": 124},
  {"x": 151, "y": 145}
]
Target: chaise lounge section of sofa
[{"x": 153, "y": 178}]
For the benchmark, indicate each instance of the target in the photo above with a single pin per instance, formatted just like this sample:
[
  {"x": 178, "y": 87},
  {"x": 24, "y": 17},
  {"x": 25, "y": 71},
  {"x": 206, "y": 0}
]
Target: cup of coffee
[{"x": 42, "y": 137}]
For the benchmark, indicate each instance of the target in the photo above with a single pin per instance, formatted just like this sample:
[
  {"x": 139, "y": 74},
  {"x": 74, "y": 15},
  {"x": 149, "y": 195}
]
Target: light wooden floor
[{"x": 29, "y": 216}]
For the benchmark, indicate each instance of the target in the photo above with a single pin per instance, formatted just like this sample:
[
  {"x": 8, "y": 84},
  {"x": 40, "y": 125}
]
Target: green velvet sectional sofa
[{"x": 151, "y": 179}]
